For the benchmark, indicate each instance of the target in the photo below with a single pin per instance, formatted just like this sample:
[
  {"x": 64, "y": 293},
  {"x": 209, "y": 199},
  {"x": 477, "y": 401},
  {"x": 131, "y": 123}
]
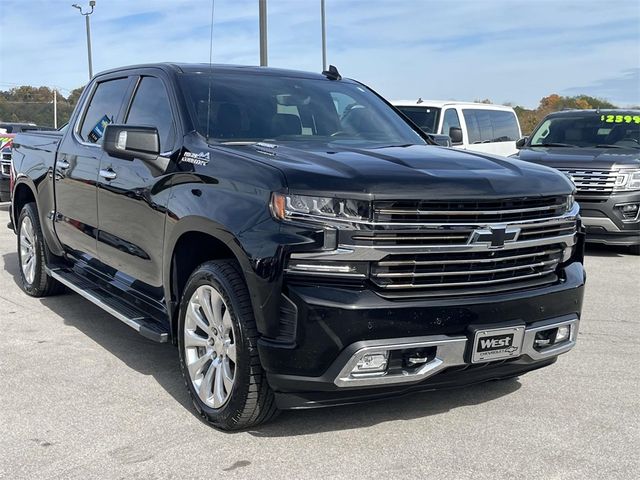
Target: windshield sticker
[
  {"x": 620, "y": 118},
  {"x": 96, "y": 133},
  {"x": 201, "y": 158}
]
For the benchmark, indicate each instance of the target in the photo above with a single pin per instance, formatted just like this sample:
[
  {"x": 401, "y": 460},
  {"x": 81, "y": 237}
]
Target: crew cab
[
  {"x": 479, "y": 127},
  {"x": 600, "y": 151},
  {"x": 301, "y": 242}
]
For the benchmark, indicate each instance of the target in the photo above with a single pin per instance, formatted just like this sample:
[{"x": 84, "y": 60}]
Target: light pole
[
  {"x": 262, "y": 4},
  {"x": 324, "y": 36},
  {"x": 55, "y": 108},
  {"x": 92, "y": 4}
]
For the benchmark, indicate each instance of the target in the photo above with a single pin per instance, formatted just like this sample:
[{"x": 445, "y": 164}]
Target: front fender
[{"x": 240, "y": 219}]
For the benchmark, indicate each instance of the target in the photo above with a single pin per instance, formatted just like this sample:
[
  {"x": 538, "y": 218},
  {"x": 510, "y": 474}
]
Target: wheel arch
[
  {"x": 23, "y": 193},
  {"x": 192, "y": 242}
]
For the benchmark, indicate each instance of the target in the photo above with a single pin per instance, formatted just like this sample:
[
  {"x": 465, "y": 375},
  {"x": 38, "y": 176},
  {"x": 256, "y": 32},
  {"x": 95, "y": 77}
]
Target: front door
[{"x": 132, "y": 196}]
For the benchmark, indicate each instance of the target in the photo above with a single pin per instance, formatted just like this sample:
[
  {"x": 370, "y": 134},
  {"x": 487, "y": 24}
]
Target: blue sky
[{"x": 505, "y": 50}]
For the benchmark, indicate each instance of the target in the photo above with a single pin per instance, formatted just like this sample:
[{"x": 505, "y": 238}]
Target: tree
[{"x": 35, "y": 104}]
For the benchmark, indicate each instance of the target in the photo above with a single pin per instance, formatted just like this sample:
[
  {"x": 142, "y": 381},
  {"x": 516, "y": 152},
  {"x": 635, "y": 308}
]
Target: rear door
[
  {"x": 132, "y": 197},
  {"x": 77, "y": 165}
]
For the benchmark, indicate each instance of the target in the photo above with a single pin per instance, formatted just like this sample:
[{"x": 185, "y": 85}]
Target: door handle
[
  {"x": 108, "y": 174},
  {"x": 62, "y": 164}
]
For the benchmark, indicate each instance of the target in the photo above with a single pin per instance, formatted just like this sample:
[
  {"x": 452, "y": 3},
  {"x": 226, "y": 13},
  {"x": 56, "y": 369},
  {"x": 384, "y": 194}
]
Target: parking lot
[{"x": 83, "y": 396}]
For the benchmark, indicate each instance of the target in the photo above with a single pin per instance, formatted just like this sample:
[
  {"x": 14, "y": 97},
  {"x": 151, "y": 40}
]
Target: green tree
[{"x": 35, "y": 104}]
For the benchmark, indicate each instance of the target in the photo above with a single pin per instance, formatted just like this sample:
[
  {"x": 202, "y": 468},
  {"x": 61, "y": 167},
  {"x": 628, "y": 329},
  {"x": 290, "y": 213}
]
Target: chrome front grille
[
  {"x": 432, "y": 252},
  {"x": 452, "y": 236},
  {"x": 593, "y": 181},
  {"x": 463, "y": 273},
  {"x": 465, "y": 211}
]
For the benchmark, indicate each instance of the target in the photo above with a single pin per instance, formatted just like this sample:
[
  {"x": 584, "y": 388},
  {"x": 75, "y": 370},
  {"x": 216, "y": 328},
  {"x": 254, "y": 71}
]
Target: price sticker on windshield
[{"x": 620, "y": 118}]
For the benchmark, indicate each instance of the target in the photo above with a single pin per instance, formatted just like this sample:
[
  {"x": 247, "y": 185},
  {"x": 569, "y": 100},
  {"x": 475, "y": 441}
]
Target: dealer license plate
[{"x": 497, "y": 344}]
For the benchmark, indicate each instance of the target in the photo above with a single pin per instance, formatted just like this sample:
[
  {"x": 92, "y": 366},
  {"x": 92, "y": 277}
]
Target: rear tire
[
  {"x": 31, "y": 255},
  {"x": 634, "y": 249},
  {"x": 217, "y": 343}
]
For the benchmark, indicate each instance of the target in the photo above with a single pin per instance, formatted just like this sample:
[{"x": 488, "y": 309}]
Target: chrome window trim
[{"x": 80, "y": 119}]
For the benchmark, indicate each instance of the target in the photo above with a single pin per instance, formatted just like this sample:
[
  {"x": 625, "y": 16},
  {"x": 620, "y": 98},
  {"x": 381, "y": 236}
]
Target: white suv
[{"x": 480, "y": 127}]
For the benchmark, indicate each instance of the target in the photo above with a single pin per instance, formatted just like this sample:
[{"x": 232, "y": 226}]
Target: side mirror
[
  {"x": 455, "y": 133},
  {"x": 129, "y": 142},
  {"x": 442, "y": 140},
  {"x": 520, "y": 143}
]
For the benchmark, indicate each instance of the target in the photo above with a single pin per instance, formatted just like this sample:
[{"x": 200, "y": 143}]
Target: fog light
[
  {"x": 629, "y": 211},
  {"x": 372, "y": 363},
  {"x": 563, "y": 334}
]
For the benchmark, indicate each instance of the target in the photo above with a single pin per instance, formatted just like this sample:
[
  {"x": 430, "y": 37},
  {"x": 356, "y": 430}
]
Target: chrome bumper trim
[
  {"x": 603, "y": 222},
  {"x": 553, "y": 350},
  {"x": 450, "y": 352}
]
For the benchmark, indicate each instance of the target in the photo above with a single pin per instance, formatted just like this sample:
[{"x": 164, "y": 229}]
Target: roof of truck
[
  {"x": 220, "y": 68},
  {"x": 602, "y": 111},
  {"x": 442, "y": 103}
]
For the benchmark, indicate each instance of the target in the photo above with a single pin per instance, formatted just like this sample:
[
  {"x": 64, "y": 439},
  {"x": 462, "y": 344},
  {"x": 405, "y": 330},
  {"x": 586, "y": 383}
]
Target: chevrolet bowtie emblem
[{"x": 495, "y": 237}]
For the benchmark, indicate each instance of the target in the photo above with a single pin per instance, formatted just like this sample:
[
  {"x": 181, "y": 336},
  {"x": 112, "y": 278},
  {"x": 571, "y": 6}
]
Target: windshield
[
  {"x": 590, "y": 129},
  {"x": 424, "y": 117},
  {"x": 251, "y": 108}
]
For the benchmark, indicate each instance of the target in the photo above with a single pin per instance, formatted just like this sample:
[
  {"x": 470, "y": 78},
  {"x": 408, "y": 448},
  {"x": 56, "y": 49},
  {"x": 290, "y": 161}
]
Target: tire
[
  {"x": 219, "y": 357},
  {"x": 31, "y": 255},
  {"x": 634, "y": 249}
]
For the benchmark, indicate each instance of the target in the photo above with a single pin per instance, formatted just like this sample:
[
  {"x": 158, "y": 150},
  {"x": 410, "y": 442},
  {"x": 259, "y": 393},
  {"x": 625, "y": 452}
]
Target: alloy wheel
[
  {"x": 209, "y": 346},
  {"x": 28, "y": 256}
]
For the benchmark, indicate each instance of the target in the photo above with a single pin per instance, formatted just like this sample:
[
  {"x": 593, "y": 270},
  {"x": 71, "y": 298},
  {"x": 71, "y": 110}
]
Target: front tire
[
  {"x": 31, "y": 255},
  {"x": 217, "y": 341}
]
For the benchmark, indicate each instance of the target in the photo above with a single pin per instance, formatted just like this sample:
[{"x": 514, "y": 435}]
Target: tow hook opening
[{"x": 551, "y": 337}]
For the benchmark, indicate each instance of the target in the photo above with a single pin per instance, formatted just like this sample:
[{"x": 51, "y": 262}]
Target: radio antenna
[{"x": 213, "y": 4}]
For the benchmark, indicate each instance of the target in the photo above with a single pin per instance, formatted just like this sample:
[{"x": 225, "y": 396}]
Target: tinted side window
[
  {"x": 450, "y": 120},
  {"x": 490, "y": 126},
  {"x": 151, "y": 108},
  {"x": 505, "y": 126},
  {"x": 103, "y": 109}
]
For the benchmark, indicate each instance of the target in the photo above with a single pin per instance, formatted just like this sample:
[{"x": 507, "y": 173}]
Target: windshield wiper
[
  {"x": 604, "y": 145},
  {"x": 554, "y": 145}
]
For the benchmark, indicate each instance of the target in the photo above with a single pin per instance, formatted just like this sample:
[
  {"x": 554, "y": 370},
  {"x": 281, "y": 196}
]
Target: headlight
[
  {"x": 628, "y": 180},
  {"x": 319, "y": 209}
]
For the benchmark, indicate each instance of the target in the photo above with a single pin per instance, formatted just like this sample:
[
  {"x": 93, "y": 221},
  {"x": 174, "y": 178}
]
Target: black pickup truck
[
  {"x": 600, "y": 151},
  {"x": 299, "y": 240}
]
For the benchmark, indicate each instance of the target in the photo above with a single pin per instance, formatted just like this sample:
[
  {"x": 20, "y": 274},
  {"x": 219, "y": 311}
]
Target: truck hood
[
  {"x": 415, "y": 171},
  {"x": 597, "y": 158}
]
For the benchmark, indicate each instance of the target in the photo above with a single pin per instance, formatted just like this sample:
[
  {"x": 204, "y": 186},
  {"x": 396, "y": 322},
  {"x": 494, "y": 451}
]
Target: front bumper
[
  {"x": 334, "y": 322},
  {"x": 604, "y": 221}
]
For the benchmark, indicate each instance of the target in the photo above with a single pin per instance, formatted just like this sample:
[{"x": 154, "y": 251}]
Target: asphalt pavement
[{"x": 83, "y": 396}]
